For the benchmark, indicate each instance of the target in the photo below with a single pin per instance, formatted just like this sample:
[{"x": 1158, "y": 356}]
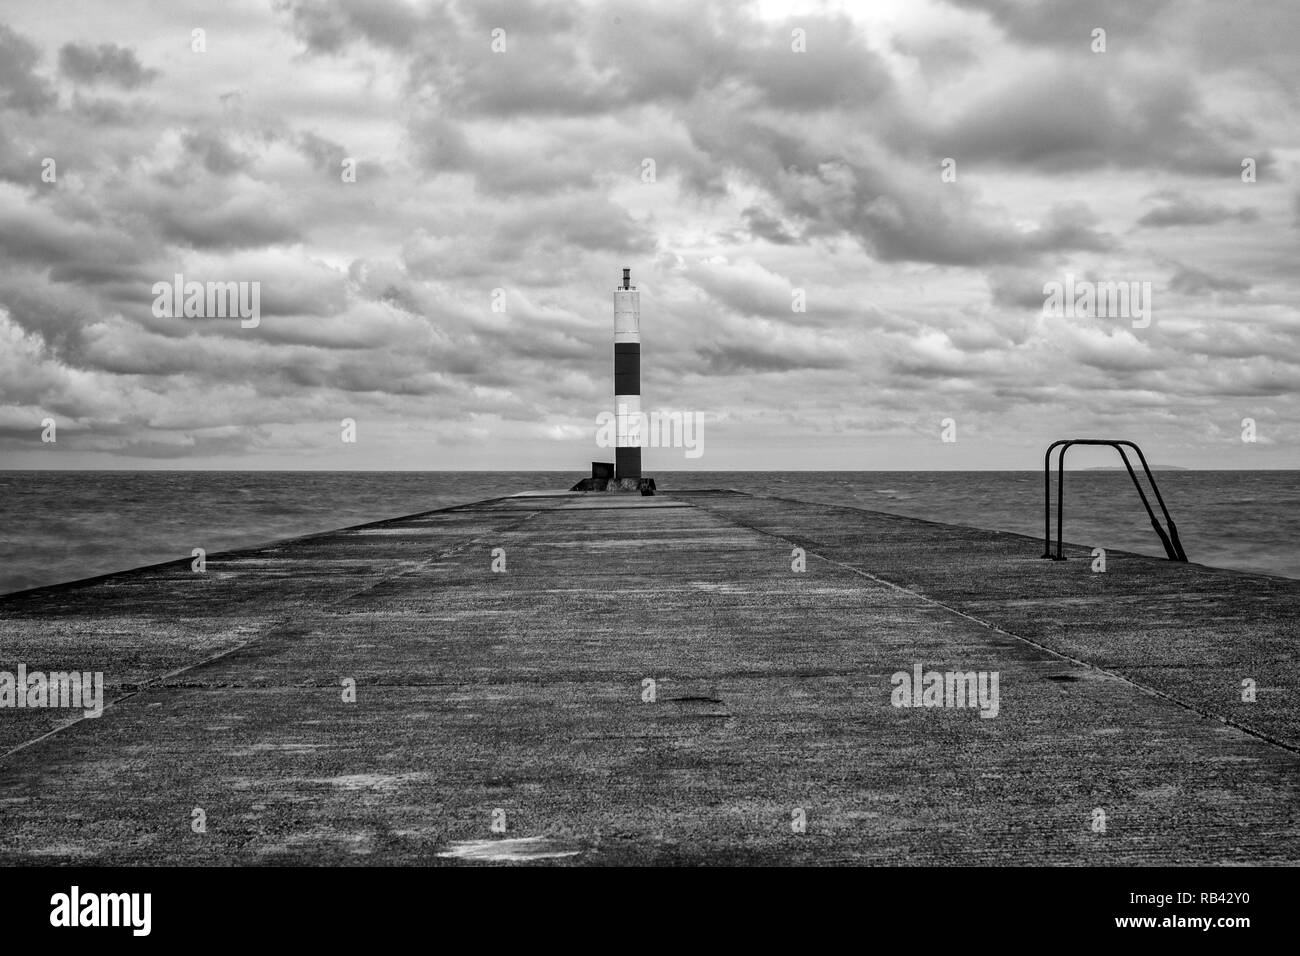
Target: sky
[{"x": 842, "y": 252}]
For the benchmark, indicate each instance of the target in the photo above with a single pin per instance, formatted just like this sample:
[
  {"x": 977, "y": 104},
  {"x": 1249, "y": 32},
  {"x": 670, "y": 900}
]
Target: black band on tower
[
  {"x": 627, "y": 462},
  {"x": 627, "y": 369}
]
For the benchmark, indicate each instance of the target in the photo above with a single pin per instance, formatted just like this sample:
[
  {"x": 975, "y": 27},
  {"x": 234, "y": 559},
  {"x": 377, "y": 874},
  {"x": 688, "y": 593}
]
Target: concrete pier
[{"x": 518, "y": 697}]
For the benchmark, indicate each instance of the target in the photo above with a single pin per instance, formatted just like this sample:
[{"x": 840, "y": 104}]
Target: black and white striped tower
[{"x": 627, "y": 378}]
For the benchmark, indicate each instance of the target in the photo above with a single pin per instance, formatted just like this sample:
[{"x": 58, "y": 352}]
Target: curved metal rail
[{"x": 1173, "y": 547}]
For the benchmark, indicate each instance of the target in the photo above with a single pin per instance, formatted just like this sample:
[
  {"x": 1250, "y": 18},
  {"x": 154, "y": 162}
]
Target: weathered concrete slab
[
  {"x": 524, "y": 691},
  {"x": 1186, "y": 630},
  {"x": 136, "y": 626}
]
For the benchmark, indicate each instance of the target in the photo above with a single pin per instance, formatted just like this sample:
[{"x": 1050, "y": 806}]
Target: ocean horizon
[{"x": 61, "y": 526}]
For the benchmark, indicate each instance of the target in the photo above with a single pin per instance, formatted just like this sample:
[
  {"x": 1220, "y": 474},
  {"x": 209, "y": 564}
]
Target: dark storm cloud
[
  {"x": 20, "y": 86},
  {"x": 896, "y": 215},
  {"x": 329, "y": 27},
  {"x": 238, "y": 225},
  {"x": 1076, "y": 119},
  {"x": 1071, "y": 226},
  {"x": 925, "y": 228},
  {"x": 325, "y": 154},
  {"x": 106, "y": 63},
  {"x": 69, "y": 250},
  {"x": 57, "y": 315},
  {"x": 216, "y": 156},
  {"x": 523, "y": 167},
  {"x": 761, "y": 225}
]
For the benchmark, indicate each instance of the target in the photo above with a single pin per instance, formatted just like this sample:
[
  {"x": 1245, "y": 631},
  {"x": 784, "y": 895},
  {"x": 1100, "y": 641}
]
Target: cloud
[
  {"x": 762, "y": 225},
  {"x": 247, "y": 218},
  {"x": 329, "y": 27},
  {"x": 188, "y": 445},
  {"x": 106, "y": 63},
  {"x": 20, "y": 87},
  {"x": 1191, "y": 281},
  {"x": 459, "y": 291},
  {"x": 102, "y": 111},
  {"x": 758, "y": 356},
  {"x": 216, "y": 156},
  {"x": 326, "y": 156},
  {"x": 1127, "y": 115},
  {"x": 1068, "y": 24},
  {"x": 1178, "y": 209}
]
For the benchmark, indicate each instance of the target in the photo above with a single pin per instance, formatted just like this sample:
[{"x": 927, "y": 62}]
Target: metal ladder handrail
[{"x": 1173, "y": 546}]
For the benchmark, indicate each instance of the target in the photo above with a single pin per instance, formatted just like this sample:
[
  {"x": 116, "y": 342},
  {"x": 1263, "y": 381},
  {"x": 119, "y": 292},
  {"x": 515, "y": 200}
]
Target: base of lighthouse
[
  {"x": 644, "y": 486},
  {"x": 627, "y": 463}
]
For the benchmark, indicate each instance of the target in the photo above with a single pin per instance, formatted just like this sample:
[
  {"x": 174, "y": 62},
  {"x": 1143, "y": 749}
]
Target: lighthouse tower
[{"x": 627, "y": 379}]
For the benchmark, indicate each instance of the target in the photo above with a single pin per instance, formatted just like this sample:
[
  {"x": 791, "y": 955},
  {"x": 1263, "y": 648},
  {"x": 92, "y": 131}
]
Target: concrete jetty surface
[{"x": 518, "y": 698}]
